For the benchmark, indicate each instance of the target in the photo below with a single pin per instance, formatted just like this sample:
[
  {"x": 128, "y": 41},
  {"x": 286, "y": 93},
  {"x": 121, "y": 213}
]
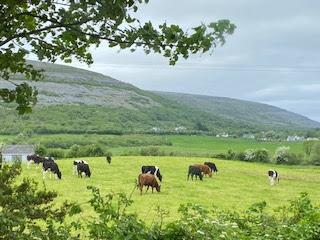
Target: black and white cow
[
  {"x": 83, "y": 168},
  {"x": 273, "y": 176},
  {"x": 34, "y": 158},
  {"x": 212, "y": 166},
  {"x": 75, "y": 163},
  {"x": 52, "y": 167},
  {"x": 195, "y": 171},
  {"x": 153, "y": 170}
]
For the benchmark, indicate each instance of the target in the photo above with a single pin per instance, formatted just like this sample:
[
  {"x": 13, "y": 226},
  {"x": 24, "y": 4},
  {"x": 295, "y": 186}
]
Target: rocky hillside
[{"x": 73, "y": 100}]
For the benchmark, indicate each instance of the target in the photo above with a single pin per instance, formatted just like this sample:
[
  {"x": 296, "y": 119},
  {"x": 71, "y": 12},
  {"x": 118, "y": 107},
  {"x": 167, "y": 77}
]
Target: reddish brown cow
[
  {"x": 149, "y": 180},
  {"x": 205, "y": 169}
]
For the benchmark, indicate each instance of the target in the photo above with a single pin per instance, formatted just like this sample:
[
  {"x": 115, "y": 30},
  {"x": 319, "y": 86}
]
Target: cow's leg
[
  {"x": 147, "y": 188},
  {"x": 152, "y": 189},
  {"x": 50, "y": 174},
  {"x": 141, "y": 190},
  {"x": 43, "y": 174}
]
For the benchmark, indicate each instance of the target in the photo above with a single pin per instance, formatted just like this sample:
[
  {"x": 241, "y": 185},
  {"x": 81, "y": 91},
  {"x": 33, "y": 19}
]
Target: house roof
[{"x": 18, "y": 149}]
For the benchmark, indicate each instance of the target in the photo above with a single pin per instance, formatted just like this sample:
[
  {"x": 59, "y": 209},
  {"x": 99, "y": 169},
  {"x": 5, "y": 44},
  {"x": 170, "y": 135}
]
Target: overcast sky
[{"x": 273, "y": 57}]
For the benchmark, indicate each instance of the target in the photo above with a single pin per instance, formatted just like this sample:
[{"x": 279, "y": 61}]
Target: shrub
[
  {"x": 281, "y": 155},
  {"x": 315, "y": 154},
  {"x": 249, "y": 155},
  {"x": 40, "y": 150},
  {"x": 92, "y": 150},
  {"x": 56, "y": 153},
  {"x": 261, "y": 155},
  {"x": 151, "y": 151},
  {"x": 74, "y": 151}
]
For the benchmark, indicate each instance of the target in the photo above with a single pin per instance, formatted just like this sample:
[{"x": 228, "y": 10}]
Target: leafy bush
[
  {"x": 56, "y": 153},
  {"x": 40, "y": 150},
  {"x": 74, "y": 151},
  {"x": 92, "y": 150},
  {"x": 151, "y": 151},
  {"x": 315, "y": 154},
  {"x": 26, "y": 212},
  {"x": 283, "y": 156}
]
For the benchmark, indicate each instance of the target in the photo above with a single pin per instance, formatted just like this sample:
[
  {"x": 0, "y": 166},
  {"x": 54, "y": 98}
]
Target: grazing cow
[
  {"x": 195, "y": 171},
  {"x": 153, "y": 170},
  {"x": 205, "y": 169},
  {"x": 212, "y": 166},
  {"x": 34, "y": 158},
  {"x": 149, "y": 180},
  {"x": 75, "y": 163},
  {"x": 52, "y": 167},
  {"x": 108, "y": 158},
  {"x": 273, "y": 176},
  {"x": 83, "y": 168}
]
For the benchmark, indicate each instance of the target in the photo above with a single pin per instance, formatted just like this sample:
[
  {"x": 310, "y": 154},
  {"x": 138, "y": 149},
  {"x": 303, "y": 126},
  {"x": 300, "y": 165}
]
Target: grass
[
  {"x": 236, "y": 186},
  {"x": 179, "y": 145}
]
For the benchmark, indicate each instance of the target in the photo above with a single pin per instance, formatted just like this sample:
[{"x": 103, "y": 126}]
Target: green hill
[{"x": 73, "y": 100}]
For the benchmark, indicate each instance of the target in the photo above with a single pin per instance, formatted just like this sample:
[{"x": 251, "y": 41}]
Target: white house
[{"x": 12, "y": 153}]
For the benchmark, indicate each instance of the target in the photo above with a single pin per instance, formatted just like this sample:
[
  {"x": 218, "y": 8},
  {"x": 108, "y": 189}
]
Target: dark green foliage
[
  {"x": 40, "y": 150},
  {"x": 29, "y": 213},
  {"x": 315, "y": 154},
  {"x": 151, "y": 151},
  {"x": 113, "y": 221}
]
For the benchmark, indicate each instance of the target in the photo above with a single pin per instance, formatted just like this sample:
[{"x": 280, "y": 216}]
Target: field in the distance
[{"x": 236, "y": 186}]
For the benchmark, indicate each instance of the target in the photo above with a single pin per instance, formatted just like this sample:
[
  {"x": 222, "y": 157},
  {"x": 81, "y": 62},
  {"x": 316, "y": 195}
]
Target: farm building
[{"x": 12, "y": 153}]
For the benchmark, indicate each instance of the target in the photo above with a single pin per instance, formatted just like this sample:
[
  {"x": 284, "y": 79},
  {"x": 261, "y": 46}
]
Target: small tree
[{"x": 282, "y": 155}]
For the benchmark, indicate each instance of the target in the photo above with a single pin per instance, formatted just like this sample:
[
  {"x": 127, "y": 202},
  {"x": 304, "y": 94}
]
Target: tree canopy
[{"x": 65, "y": 29}]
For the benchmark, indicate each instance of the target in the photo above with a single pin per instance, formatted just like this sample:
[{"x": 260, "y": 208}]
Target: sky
[{"x": 273, "y": 56}]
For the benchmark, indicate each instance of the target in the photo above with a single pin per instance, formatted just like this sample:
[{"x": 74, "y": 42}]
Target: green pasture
[
  {"x": 236, "y": 186},
  {"x": 177, "y": 145}
]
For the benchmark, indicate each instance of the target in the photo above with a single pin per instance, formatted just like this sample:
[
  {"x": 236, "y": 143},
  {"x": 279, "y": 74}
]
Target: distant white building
[
  {"x": 249, "y": 136},
  {"x": 180, "y": 128},
  {"x": 12, "y": 153},
  {"x": 223, "y": 135},
  {"x": 294, "y": 138},
  {"x": 155, "y": 129}
]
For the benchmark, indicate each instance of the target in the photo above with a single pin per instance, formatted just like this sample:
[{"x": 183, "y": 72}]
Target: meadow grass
[{"x": 236, "y": 186}]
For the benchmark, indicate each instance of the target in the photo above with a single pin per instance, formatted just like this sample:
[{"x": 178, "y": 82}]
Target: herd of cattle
[{"x": 150, "y": 176}]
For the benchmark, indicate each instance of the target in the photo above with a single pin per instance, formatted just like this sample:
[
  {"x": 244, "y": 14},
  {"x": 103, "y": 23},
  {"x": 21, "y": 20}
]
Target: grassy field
[
  {"x": 236, "y": 186},
  {"x": 178, "y": 145}
]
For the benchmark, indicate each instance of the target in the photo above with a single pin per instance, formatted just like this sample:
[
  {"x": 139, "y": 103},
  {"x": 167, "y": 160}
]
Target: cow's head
[
  {"x": 159, "y": 176},
  {"x": 158, "y": 187},
  {"x": 59, "y": 174}
]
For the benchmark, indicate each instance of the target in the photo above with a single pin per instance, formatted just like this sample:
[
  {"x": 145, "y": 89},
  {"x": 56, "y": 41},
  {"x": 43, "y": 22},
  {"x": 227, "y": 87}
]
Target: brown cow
[
  {"x": 149, "y": 180},
  {"x": 204, "y": 168}
]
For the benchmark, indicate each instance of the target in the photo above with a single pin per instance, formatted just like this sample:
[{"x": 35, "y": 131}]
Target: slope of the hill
[
  {"x": 247, "y": 111},
  {"x": 73, "y": 100}
]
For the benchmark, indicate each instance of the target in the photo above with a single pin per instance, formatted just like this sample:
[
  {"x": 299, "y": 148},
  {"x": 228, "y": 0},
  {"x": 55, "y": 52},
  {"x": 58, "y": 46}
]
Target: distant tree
[
  {"x": 201, "y": 126},
  {"x": 65, "y": 29},
  {"x": 281, "y": 155}
]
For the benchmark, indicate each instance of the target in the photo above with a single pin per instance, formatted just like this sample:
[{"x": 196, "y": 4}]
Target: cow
[
  {"x": 149, "y": 180},
  {"x": 153, "y": 170},
  {"x": 205, "y": 169},
  {"x": 212, "y": 166},
  {"x": 52, "y": 167},
  {"x": 83, "y": 168},
  {"x": 108, "y": 158},
  {"x": 195, "y": 171},
  {"x": 34, "y": 158},
  {"x": 75, "y": 163},
  {"x": 273, "y": 177}
]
